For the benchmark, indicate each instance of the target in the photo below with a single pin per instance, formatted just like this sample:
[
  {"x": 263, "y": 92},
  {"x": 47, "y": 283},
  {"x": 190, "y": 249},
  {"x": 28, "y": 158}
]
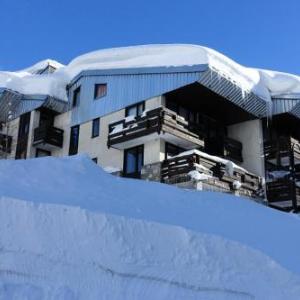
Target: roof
[
  {"x": 14, "y": 104},
  {"x": 258, "y": 84}
]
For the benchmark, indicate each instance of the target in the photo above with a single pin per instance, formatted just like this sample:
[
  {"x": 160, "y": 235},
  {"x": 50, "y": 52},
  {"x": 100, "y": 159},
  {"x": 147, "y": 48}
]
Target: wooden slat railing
[
  {"x": 175, "y": 170},
  {"x": 48, "y": 135},
  {"x": 157, "y": 120}
]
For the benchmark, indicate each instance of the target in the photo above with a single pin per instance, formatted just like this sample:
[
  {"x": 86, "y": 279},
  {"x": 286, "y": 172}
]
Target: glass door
[{"x": 133, "y": 161}]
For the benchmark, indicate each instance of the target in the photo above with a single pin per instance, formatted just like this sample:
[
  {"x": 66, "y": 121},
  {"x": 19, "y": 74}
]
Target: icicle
[
  {"x": 269, "y": 109},
  {"x": 243, "y": 93}
]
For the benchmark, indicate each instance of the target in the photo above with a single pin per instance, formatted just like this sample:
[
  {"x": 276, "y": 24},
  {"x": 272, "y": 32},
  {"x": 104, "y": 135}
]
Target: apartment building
[{"x": 188, "y": 124}]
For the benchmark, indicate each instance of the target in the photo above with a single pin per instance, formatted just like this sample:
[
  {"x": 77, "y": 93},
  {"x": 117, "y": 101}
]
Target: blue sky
[{"x": 256, "y": 33}]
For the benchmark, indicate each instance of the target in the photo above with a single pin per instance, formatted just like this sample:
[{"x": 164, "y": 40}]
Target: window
[
  {"x": 42, "y": 153},
  {"x": 133, "y": 161},
  {"x": 135, "y": 110},
  {"x": 74, "y": 140},
  {"x": 100, "y": 90},
  {"x": 76, "y": 97},
  {"x": 95, "y": 160},
  {"x": 172, "y": 150},
  {"x": 96, "y": 127}
]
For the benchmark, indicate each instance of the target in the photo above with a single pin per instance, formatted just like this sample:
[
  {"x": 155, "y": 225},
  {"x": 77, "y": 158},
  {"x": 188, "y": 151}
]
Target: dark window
[
  {"x": 96, "y": 127},
  {"x": 135, "y": 110},
  {"x": 42, "y": 153},
  {"x": 23, "y": 134},
  {"x": 74, "y": 140},
  {"x": 100, "y": 90},
  {"x": 133, "y": 161},
  {"x": 76, "y": 97},
  {"x": 95, "y": 160},
  {"x": 172, "y": 150}
]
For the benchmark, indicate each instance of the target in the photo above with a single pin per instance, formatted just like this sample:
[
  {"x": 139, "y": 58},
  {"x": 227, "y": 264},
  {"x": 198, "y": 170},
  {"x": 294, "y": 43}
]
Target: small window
[
  {"x": 96, "y": 127},
  {"x": 95, "y": 160},
  {"x": 100, "y": 90},
  {"x": 135, "y": 110},
  {"x": 76, "y": 97}
]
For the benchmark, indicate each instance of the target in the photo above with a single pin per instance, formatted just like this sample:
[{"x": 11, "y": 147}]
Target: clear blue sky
[{"x": 256, "y": 33}]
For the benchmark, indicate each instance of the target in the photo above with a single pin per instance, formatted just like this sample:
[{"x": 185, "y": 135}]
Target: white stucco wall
[
  {"x": 97, "y": 147},
  {"x": 250, "y": 134},
  {"x": 153, "y": 102}
]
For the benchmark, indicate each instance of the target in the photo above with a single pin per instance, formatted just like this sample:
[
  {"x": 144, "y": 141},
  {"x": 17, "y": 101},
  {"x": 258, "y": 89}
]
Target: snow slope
[
  {"x": 68, "y": 253},
  {"x": 69, "y": 230},
  {"x": 263, "y": 83}
]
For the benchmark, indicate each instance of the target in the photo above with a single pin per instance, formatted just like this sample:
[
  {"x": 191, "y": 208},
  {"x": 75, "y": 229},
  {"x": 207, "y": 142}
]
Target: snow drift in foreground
[
  {"x": 69, "y": 230},
  {"x": 62, "y": 252},
  {"x": 263, "y": 83}
]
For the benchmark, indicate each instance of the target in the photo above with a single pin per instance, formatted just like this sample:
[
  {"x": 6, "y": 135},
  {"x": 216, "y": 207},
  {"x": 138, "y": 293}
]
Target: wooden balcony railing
[
  {"x": 284, "y": 194},
  {"x": 284, "y": 146},
  {"x": 159, "y": 120},
  {"x": 175, "y": 170},
  {"x": 48, "y": 135},
  {"x": 5, "y": 143}
]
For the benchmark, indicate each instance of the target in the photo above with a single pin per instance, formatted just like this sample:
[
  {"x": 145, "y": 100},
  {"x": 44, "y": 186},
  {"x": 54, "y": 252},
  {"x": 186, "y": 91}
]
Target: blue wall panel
[{"x": 124, "y": 90}]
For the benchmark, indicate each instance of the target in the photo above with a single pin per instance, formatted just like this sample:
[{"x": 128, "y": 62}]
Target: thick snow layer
[
  {"x": 62, "y": 252},
  {"x": 41, "y": 65},
  {"x": 79, "y": 182},
  {"x": 262, "y": 82}
]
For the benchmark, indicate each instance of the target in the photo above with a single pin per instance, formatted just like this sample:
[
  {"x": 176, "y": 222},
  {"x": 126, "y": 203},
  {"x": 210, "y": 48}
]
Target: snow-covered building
[{"x": 180, "y": 114}]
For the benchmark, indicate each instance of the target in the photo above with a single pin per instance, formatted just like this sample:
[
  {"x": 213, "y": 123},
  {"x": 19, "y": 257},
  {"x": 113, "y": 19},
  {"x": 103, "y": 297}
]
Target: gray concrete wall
[{"x": 250, "y": 134}]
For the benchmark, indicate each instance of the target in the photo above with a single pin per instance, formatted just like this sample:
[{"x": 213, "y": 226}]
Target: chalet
[{"x": 179, "y": 114}]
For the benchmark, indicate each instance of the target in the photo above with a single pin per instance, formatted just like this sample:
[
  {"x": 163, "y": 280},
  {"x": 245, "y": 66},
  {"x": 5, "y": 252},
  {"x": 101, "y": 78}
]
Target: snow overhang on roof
[{"x": 251, "y": 85}]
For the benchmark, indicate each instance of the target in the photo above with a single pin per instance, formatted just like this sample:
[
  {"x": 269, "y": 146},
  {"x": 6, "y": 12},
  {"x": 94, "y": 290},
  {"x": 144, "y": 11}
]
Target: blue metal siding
[
  {"x": 233, "y": 93},
  {"x": 284, "y": 105},
  {"x": 124, "y": 90}
]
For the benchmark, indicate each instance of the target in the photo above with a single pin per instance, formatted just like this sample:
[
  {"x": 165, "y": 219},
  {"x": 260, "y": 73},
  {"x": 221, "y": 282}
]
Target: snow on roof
[
  {"x": 41, "y": 65},
  {"x": 263, "y": 83}
]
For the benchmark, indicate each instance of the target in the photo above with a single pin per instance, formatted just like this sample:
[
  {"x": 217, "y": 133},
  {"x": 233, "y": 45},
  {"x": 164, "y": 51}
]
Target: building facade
[{"x": 188, "y": 126}]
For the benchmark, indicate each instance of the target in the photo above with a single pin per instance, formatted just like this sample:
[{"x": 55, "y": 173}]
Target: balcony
[
  {"x": 159, "y": 122},
  {"x": 48, "y": 137},
  {"x": 282, "y": 152},
  {"x": 216, "y": 174},
  {"x": 283, "y": 194},
  {"x": 5, "y": 143}
]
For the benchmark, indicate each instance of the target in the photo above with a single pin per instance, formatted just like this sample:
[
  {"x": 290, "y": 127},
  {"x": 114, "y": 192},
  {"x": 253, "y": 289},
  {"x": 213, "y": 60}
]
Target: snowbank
[
  {"x": 77, "y": 181},
  {"x": 262, "y": 82},
  {"x": 62, "y": 252}
]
